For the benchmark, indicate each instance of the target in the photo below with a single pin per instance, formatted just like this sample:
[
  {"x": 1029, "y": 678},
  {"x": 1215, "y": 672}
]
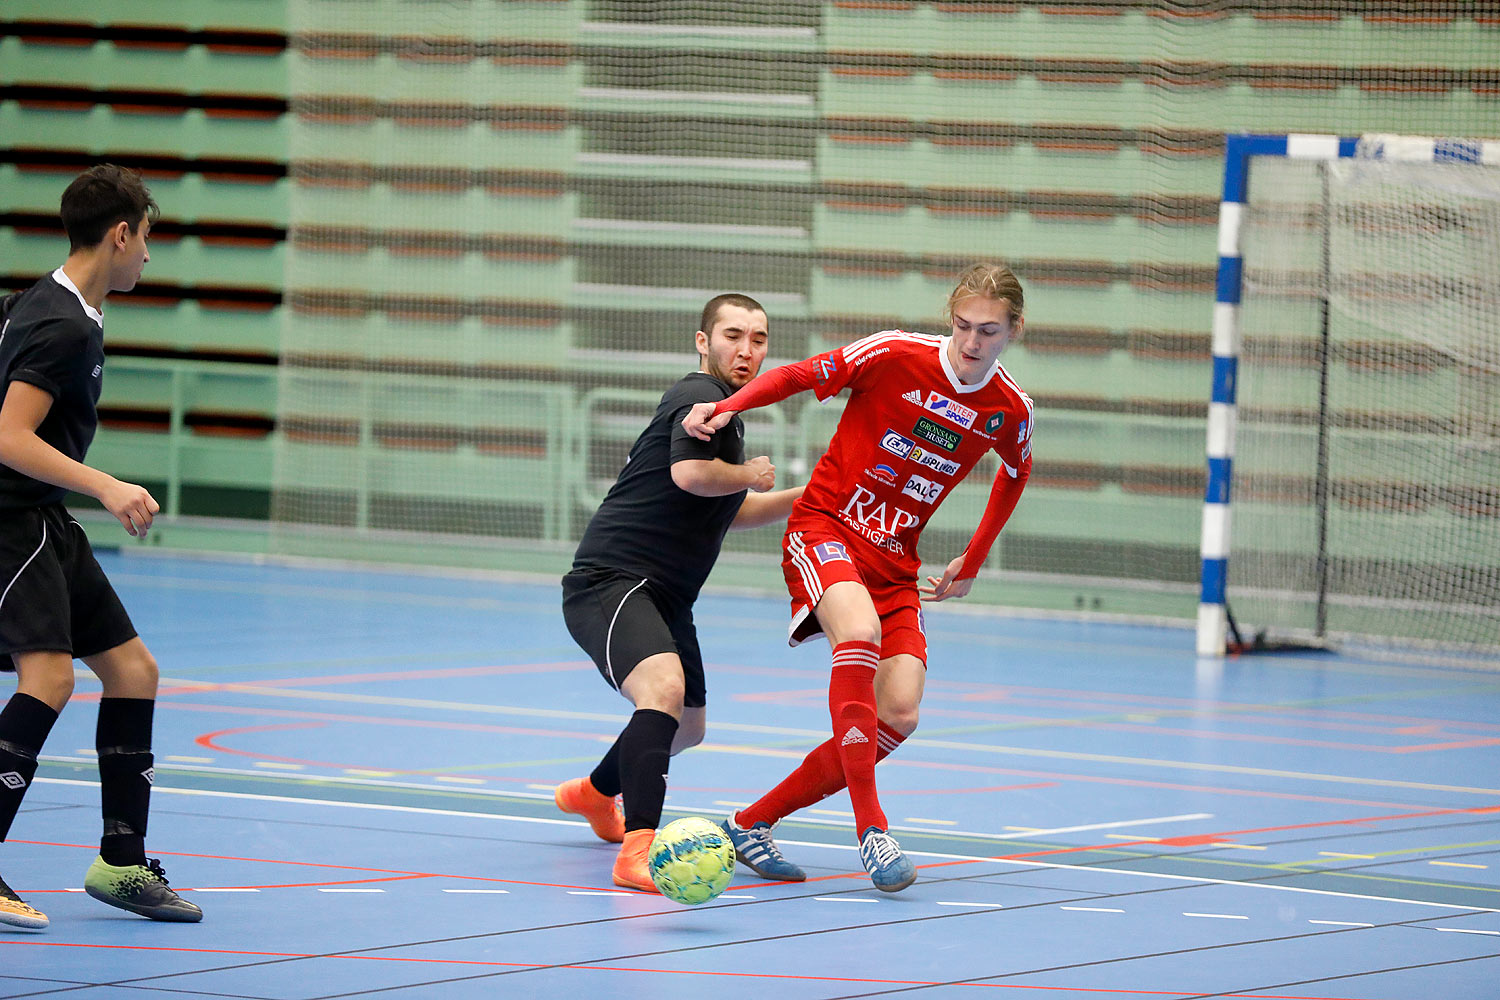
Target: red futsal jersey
[{"x": 911, "y": 431}]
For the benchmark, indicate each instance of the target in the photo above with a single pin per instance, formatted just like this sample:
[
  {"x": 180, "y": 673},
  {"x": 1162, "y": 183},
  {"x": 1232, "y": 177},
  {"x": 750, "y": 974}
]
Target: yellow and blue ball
[{"x": 691, "y": 860}]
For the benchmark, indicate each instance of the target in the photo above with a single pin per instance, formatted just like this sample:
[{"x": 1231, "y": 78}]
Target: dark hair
[
  {"x": 711, "y": 311},
  {"x": 101, "y": 197}
]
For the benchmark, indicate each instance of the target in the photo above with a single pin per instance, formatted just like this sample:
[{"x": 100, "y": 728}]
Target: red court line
[
  {"x": 408, "y": 675},
  {"x": 1096, "y": 990},
  {"x": 285, "y": 885},
  {"x": 396, "y": 874}
]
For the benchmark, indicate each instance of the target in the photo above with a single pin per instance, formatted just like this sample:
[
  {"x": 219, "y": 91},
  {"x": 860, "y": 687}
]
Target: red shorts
[{"x": 812, "y": 560}]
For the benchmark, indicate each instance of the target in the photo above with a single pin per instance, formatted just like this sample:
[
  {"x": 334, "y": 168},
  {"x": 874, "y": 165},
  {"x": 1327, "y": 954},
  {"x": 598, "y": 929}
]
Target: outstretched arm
[
  {"x": 766, "y": 388},
  {"x": 714, "y": 477},
  {"x": 958, "y": 577},
  {"x": 765, "y": 508}
]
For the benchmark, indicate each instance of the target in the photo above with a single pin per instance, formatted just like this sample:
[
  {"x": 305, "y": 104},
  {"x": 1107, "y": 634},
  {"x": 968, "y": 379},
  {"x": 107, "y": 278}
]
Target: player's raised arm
[{"x": 766, "y": 388}]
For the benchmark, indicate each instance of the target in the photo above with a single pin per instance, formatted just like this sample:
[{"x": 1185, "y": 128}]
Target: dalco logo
[{"x": 924, "y": 490}]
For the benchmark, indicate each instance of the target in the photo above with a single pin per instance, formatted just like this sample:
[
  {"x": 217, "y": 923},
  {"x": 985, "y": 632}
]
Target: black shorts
[
  {"x": 53, "y": 595},
  {"x": 620, "y": 620}
]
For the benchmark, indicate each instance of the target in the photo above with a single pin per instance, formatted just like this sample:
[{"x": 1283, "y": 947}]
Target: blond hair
[{"x": 993, "y": 281}]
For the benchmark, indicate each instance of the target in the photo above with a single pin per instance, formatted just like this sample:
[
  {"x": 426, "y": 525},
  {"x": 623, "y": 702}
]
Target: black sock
[
  {"x": 606, "y": 775},
  {"x": 123, "y": 739},
  {"x": 24, "y": 724},
  {"x": 645, "y": 753}
]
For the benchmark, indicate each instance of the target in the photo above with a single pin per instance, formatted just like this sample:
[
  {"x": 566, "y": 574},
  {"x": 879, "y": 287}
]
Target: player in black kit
[
  {"x": 628, "y": 600},
  {"x": 55, "y": 602}
]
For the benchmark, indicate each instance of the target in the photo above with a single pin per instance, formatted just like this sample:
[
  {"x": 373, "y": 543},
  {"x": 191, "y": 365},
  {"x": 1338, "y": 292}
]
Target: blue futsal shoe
[
  {"x": 759, "y": 853},
  {"x": 889, "y": 869}
]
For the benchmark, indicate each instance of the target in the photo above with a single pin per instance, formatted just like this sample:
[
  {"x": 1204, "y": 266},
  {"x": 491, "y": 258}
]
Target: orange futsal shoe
[
  {"x": 631, "y": 868},
  {"x": 580, "y": 798}
]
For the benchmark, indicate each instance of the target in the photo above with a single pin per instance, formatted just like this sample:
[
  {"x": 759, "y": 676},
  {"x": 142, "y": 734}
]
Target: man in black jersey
[
  {"x": 628, "y": 600},
  {"x": 55, "y": 602}
]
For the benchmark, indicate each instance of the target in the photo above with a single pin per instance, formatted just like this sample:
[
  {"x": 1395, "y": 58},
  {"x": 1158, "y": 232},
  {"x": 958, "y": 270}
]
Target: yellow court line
[
  {"x": 1423, "y": 849},
  {"x": 1457, "y": 864}
]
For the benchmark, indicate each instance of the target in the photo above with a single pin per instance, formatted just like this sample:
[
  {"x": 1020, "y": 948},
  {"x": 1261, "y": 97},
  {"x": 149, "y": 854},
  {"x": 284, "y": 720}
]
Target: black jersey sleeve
[
  {"x": 50, "y": 355},
  {"x": 726, "y": 444}
]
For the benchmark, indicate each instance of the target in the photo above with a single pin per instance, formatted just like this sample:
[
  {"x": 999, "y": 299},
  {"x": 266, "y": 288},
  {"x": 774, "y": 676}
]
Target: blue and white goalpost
[{"x": 1240, "y": 154}]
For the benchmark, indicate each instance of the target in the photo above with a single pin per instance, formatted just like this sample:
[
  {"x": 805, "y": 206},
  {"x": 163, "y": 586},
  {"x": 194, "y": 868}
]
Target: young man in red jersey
[
  {"x": 55, "y": 602},
  {"x": 922, "y": 411}
]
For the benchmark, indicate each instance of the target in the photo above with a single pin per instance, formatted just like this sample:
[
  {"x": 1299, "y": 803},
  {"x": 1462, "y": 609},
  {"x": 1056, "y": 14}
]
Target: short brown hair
[
  {"x": 993, "y": 281},
  {"x": 711, "y": 311},
  {"x": 101, "y": 197}
]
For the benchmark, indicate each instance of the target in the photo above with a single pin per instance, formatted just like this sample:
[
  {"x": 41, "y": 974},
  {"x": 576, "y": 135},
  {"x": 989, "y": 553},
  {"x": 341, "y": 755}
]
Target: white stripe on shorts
[
  {"x": 608, "y": 661},
  {"x": 810, "y": 581}
]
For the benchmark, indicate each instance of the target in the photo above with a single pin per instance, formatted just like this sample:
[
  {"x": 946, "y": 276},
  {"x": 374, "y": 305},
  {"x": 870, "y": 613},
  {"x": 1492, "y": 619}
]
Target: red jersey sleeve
[
  {"x": 1003, "y": 497},
  {"x": 1010, "y": 480},
  {"x": 770, "y": 387},
  {"x": 826, "y": 374}
]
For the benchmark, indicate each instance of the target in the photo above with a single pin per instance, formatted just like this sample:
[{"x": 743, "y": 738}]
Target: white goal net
[{"x": 1367, "y": 460}]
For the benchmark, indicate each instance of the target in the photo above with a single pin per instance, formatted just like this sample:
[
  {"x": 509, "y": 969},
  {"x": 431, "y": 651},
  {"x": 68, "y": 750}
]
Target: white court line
[
  {"x": 1464, "y": 930},
  {"x": 1218, "y": 916},
  {"x": 481, "y": 892},
  {"x": 600, "y": 892},
  {"x": 221, "y": 890},
  {"x": 726, "y": 896},
  {"x": 1017, "y": 862},
  {"x": 350, "y": 697},
  {"x": 348, "y": 778},
  {"x": 1091, "y": 909},
  {"x": 987, "y": 906},
  {"x": 1340, "y": 923},
  {"x": 844, "y": 899}
]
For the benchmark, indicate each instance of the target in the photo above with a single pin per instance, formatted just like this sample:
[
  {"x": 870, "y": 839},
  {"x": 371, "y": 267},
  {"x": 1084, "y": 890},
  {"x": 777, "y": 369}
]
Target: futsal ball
[{"x": 691, "y": 860}]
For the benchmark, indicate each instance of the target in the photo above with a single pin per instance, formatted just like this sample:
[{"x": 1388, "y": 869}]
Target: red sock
[
  {"x": 851, "y": 704},
  {"x": 818, "y": 776}
]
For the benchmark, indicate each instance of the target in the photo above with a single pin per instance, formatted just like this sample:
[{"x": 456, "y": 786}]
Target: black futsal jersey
[
  {"x": 48, "y": 340},
  {"x": 647, "y": 526}
]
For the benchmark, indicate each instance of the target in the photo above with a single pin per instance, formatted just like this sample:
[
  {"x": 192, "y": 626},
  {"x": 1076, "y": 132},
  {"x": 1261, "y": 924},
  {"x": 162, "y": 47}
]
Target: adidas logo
[
  {"x": 853, "y": 736},
  {"x": 915, "y": 396},
  {"x": 150, "y": 775},
  {"x": 12, "y": 780}
]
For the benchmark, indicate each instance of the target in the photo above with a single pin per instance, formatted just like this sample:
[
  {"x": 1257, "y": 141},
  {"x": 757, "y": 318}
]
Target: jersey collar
[
  {"x": 61, "y": 278},
  {"x": 953, "y": 380}
]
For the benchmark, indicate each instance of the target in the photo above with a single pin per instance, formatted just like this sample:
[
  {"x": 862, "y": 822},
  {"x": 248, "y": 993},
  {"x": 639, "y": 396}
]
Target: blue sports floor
[{"x": 354, "y": 774}]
